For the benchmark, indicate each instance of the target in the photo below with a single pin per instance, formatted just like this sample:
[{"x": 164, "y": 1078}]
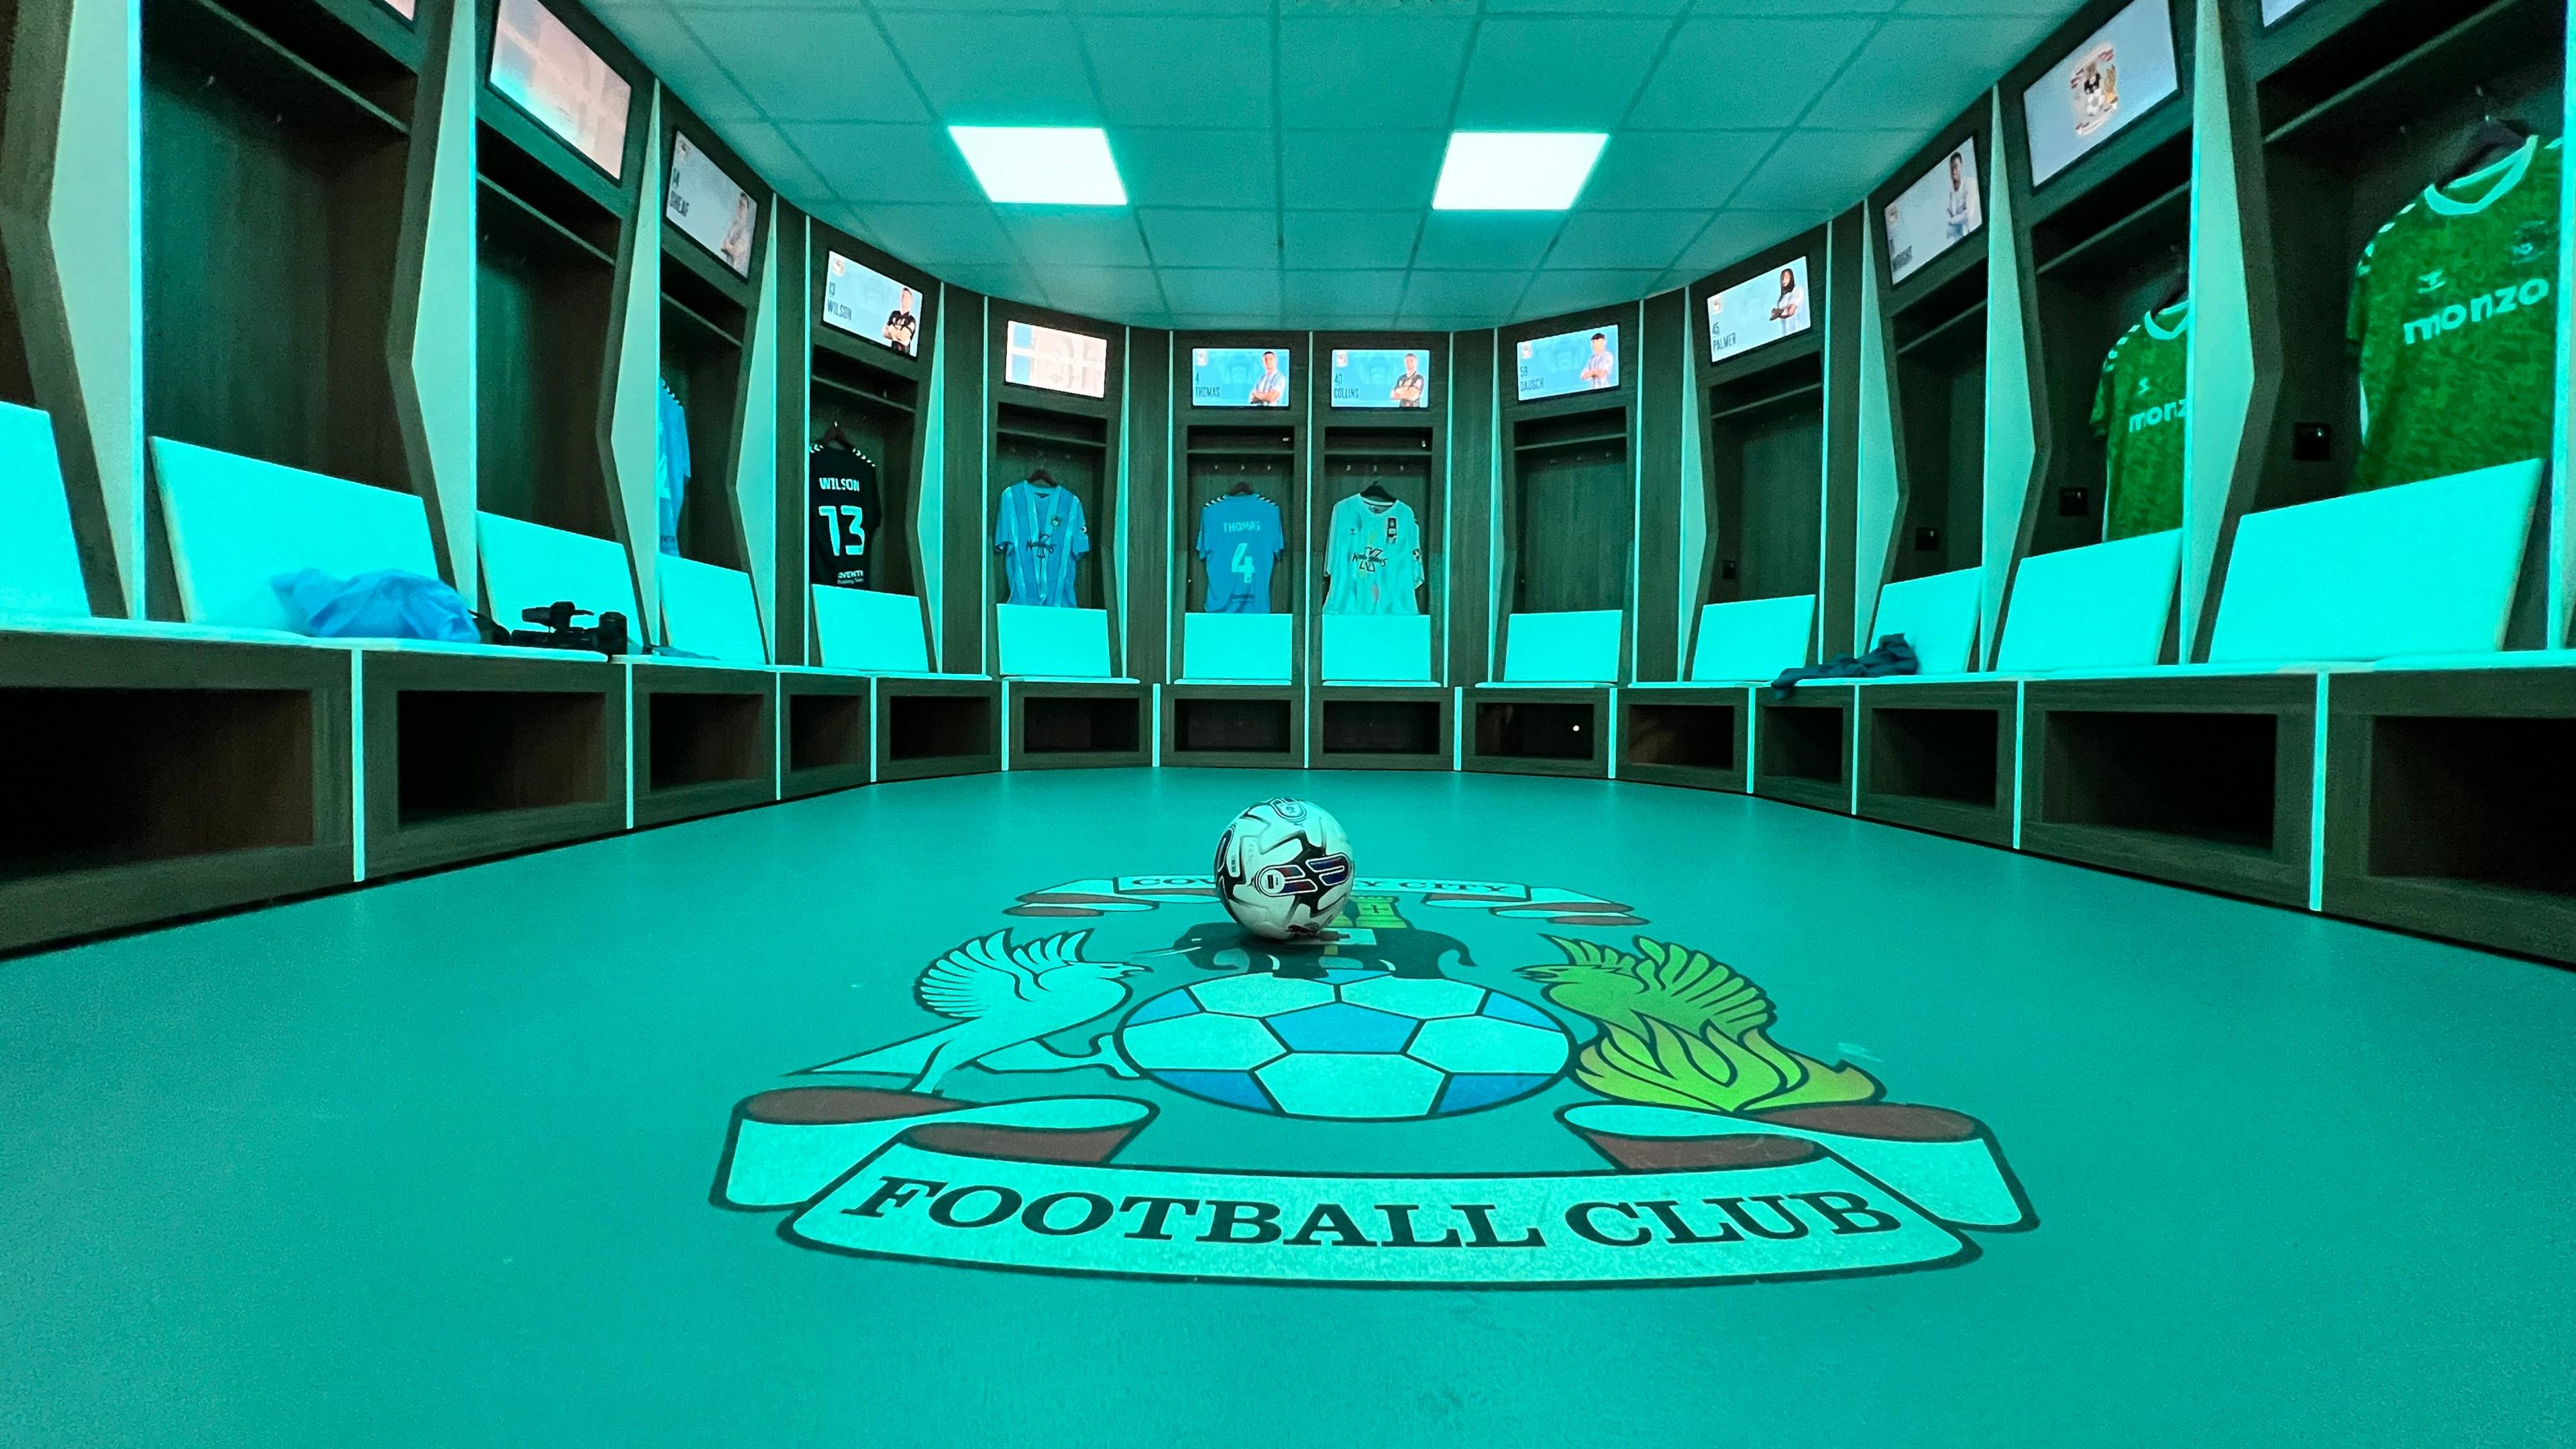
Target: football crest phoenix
[{"x": 1124, "y": 1083}]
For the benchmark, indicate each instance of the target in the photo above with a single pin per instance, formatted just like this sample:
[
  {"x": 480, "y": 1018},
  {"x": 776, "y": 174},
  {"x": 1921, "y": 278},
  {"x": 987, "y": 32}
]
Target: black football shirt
[{"x": 842, "y": 515}]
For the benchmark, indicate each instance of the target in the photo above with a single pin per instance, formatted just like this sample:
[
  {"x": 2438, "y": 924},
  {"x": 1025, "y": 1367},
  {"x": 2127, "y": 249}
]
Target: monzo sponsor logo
[
  {"x": 2172, "y": 412},
  {"x": 2485, "y": 308}
]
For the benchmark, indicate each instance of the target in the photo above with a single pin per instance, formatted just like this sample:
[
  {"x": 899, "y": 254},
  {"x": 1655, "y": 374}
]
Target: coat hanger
[
  {"x": 1042, "y": 477},
  {"x": 833, "y": 434},
  {"x": 1377, "y": 491},
  {"x": 2493, "y": 140}
]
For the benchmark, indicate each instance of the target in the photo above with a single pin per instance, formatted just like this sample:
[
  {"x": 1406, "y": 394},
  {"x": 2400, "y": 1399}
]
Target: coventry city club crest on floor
[{"x": 1124, "y": 1083}]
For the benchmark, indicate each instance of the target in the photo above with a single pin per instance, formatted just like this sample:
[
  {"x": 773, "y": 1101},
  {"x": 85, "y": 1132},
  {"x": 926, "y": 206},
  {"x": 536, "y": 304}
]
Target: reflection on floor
[{"x": 945, "y": 1112}]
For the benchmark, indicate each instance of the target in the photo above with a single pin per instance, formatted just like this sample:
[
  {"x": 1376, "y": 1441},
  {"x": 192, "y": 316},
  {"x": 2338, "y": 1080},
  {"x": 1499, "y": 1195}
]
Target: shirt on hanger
[
  {"x": 1373, "y": 555},
  {"x": 1240, "y": 539},
  {"x": 1040, "y": 534},
  {"x": 841, "y": 494},
  {"x": 2138, "y": 412},
  {"x": 670, "y": 464}
]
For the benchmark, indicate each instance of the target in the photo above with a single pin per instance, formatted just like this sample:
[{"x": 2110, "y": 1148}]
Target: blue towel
[{"x": 383, "y": 604}]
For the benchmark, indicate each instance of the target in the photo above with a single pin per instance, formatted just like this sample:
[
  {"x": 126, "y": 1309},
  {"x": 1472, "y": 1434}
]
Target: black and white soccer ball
[{"x": 1283, "y": 869}]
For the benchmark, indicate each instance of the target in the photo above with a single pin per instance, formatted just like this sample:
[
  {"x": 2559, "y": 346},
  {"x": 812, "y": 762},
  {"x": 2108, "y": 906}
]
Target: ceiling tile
[
  {"x": 1222, "y": 290},
  {"x": 1642, "y": 170},
  {"x": 1638, "y": 239},
  {"x": 1197, "y": 167},
  {"x": 1179, "y": 71},
  {"x": 771, "y": 52},
  {"x": 1553, "y": 291},
  {"x": 1829, "y": 169},
  {"x": 1479, "y": 293},
  {"x": 1486, "y": 239},
  {"x": 1360, "y": 170},
  {"x": 781, "y": 163},
  {"x": 1115, "y": 293},
  {"x": 1735, "y": 235},
  {"x": 937, "y": 237},
  {"x": 1343, "y": 72},
  {"x": 886, "y": 163},
  {"x": 1918, "y": 72},
  {"x": 666, "y": 44},
  {"x": 1553, "y": 73},
  {"x": 1769, "y": 9},
  {"x": 997, "y": 70},
  {"x": 1588, "y": 7},
  {"x": 1211, "y": 238},
  {"x": 1314, "y": 295},
  {"x": 1766, "y": 70},
  {"x": 993, "y": 281},
  {"x": 1350, "y": 238},
  {"x": 1081, "y": 236}
]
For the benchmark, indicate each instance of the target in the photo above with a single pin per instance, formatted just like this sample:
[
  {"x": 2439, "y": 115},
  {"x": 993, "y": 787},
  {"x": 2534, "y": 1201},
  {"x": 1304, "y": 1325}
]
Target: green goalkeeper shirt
[
  {"x": 2454, "y": 321},
  {"x": 2138, "y": 412}
]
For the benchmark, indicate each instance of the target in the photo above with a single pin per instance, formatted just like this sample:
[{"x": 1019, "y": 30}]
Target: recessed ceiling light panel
[
  {"x": 1043, "y": 165},
  {"x": 1515, "y": 170}
]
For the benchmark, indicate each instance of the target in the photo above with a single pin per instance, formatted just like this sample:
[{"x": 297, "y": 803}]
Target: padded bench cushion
[
  {"x": 1575, "y": 647},
  {"x": 529, "y": 566},
  {"x": 871, "y": 632},
  {"x": 40, "y": 568},
  {"x": 1937, "y": 615},
  {"x": 235, "y": 524},
  {"x": 2426, "y": 568},
  {"x": 1377, "y": 648},
  {"x": 1237, "y": 648},
  {"x": 708, "y": 609},
  {"x": 1753, "y": 639},
  {"x": 1052, "y": 643},
  {"x": 2104, "y": 606}
]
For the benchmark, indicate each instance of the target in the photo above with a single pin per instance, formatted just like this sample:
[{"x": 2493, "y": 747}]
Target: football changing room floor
[{"x": 946, "y": 1114}]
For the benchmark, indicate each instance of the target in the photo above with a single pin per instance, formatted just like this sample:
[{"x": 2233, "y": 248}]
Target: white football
[{"x": 1283, "y": 869}]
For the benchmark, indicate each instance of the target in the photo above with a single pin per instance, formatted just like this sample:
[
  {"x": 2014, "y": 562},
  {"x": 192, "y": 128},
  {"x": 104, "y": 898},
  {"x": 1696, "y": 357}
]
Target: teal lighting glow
[
  {"x": 1043, "y": 165},
  {"x": 1515, "y": 170}
]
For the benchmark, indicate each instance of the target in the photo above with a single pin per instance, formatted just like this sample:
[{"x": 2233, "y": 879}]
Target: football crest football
[{"x": 1283, "y": 869}]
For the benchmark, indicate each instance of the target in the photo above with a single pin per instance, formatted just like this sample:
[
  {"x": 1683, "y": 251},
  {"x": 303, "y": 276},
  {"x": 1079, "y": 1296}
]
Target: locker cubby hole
[
  {"x": 1935, "y": 754},
  {"x": 1802, "y": 742},
  {"x": 702, "y": 341},
  {"x": 1222, "y": 460},
  {"x": 876, "y": 412},
  {"x": 1940, "y": 337},
  {"x": 938, "y": 726},
  {"x": 546, "y": 275},
  {"x": 2355, "y": 127},
  {"x": 1066, "y": 725},
  {"x": 2481, "y": 801},
  {"x": 272, "y": 178},
  {"x": 826, "y": 731},
  {"x": 1074, "y": 450},
  {"x": 1534, "y": 730},
  {"x": 1765, "y": 453},
  {"x": 1382, "y": 727},
  {"x": 701, "y": 739},
  {"x": 1233, "y": 726},
  {"x": 2206, "y": 778},
  {"x": 483, "y": 752},
  {"x": 1573, "y": 512},
  {"x": 2103, "y": 261},
  {"x": 1694, "y": 736},
  {"x": 111, "y": 777}
]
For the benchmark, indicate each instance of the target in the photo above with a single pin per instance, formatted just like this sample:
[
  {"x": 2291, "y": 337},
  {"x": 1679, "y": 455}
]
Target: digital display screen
[
  {"x": 403, "y": 8},
  {"x": 1381, "y": 377},
  {"x": 706, "y": 205},
  {"x": 1239, "y": 377},
  {"x": 1056, "y": 360},
  {"x": 545, "y": 70},
  {"x": 1939, "y": 211},
  {"x": 864, "y": 302},
  {"x": 1763, "y": 308},
  {"x": 2117, "y": 75},
  {"x": 1585, "y": 360},
  {"x": 2273, "y": 10}
]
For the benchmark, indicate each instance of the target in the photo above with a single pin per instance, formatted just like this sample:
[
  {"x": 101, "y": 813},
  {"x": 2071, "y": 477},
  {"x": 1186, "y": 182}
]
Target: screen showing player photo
[
  {"x": 1939, "y": 211},
  {"x": 706, "y": 205},
  {"x": 403, "y": 8},
  {"x": 1584, "y": 360},
  {"x": 1765, "y": 307},
  {"x": 2273, "y": 10},
  {"x": 2117, "y": 75},
  {"x": 1381, "y": 377},
  {"x": 1056, "y": 360},
  {"x": 545, "y": 70},
  {"x": 865, "y": 302},
  {"x": 1239, "y": 377}
]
